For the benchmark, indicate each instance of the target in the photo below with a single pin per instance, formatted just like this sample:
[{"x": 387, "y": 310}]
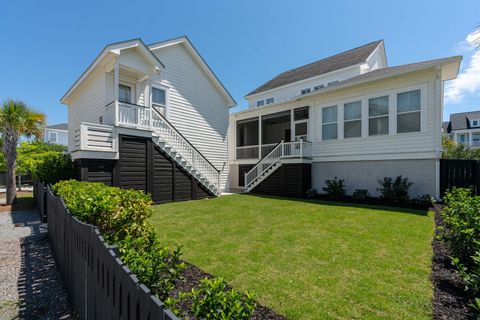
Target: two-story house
[
  {"x": 56, "y": 133},
  {"x": 349, "y": 116},
  {"x": 464, "y": 127},
  {"x": 153, "y": 118}
]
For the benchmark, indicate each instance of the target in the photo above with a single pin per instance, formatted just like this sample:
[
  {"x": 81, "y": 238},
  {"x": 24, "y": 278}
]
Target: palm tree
[{"x": 16, "y": 120}]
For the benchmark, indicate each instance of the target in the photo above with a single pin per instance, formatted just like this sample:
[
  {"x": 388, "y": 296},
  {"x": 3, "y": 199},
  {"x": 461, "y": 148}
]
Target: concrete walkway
[{"x": 30, "y": 284}]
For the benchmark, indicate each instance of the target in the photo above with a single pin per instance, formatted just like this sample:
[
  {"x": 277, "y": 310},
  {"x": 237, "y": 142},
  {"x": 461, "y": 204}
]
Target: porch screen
[
  {"x": 276, "y": 127},
  {"x": 247, "y": 132}
]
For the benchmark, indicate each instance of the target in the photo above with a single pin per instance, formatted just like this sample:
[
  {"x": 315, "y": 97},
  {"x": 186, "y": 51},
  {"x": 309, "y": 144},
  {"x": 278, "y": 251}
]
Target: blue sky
[{"x": 46, "y": 45}]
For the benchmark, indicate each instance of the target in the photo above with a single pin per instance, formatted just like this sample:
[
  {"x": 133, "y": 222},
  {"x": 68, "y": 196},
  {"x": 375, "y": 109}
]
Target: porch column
[
  {"x": 115, "y": 80},
  {"x": 259, "y": 137},
  {"x": 292, "y": 126},
  {"x": 470, "y": 139}
]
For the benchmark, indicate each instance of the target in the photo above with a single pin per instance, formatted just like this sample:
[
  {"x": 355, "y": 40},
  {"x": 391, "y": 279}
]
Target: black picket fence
[
  {"x": 98, "y": 284},
  {"x": 459, "y": 173}
]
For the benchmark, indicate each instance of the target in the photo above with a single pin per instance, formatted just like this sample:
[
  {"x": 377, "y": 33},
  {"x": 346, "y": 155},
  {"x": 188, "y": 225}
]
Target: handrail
[
  {"x": 176, "y": 130},
  {"x": 132, "y": 104},
  {"x": 276, "y": 145},
  {"x": 281, "y": 150}
]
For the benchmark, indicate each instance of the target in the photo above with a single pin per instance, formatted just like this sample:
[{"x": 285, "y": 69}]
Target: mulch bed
[
  {"x": 191, "y": 277},
  {"x": 450, "y": 300}
]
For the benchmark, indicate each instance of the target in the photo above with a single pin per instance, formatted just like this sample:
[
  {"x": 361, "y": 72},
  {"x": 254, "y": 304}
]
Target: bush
[
  {"x": 213, "y": 300},
  {"x": 394, "y": 191},
  {"x": 361, "y": 195},
  {"x": 335, "y": 188},
  {"x": 311, "y": 193},
  {"x": 121, "y": 218},
  {"x": 461, "y": 231},
  {"x": 424, "y": 201},
  {"x": 54, "y": 167}
]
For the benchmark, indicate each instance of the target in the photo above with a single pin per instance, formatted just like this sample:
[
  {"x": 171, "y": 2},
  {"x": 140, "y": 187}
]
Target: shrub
[
  {"x": 54, "y": 167},
  {"x": 394, "y": 191},
  {"x": 461, "y": 231},
  {"x": 311, "y": 193},
  {"x": 424, "y": 201},
  {"x": 361, "y": 195},
  {"x": 121, "y": 218},
  {"x": 335, "y": 188},
  {"x": 213, "y": 300}
]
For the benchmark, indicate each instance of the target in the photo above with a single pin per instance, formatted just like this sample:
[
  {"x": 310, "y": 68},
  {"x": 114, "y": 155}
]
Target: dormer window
[
  {"x": 475, "y": 123},
  {"x": 321, "y": 86},
  {"x": 269, "y": 101},
  {"x": 260, "y": 103},
  {"x": 305, "y": 91}
]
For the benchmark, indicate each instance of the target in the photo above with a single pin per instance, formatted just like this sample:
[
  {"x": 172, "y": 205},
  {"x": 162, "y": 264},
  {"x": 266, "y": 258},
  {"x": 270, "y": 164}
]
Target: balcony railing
[
  {"x": 95, "y": 137},
  {"x": 128, "y": 115}
]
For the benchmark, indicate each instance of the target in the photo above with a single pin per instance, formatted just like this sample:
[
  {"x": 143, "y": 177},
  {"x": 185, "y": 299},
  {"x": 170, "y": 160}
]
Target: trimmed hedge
[
  {"x": 121, "y": 216},
  {"x": 461, "y": 231},
  {"x": 53, "y": 167}
]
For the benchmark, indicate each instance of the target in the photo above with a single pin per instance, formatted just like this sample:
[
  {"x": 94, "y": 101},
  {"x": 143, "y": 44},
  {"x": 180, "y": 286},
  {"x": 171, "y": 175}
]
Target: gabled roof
[
  {"x": 60, "y": 126},
  {"x": 199, "y": 59},
  {"x": 333, "y": 63},
  {"x": 461, "y": 121},
  {"x": 114, "y": 48},
  {"x": 449, "y": 68}
]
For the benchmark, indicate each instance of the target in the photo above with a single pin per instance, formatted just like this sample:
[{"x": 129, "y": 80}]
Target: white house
[
  {"x": 349, "y": 116},
  {"x": 464, "y": 127},
  {"x": 151, "y": 117},
  {"x": 56, "y": 133}
]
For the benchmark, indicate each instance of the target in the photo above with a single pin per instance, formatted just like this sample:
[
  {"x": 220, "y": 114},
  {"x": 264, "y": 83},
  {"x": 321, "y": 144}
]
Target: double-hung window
[
  {"x": 269, "y": 101},
  {"x": 159, "y": 100},
  {"x": 52, "y": 137},
  {"x": 305, "y": 91},
  {"x": 352, "y": 116},
  {"x": 378, "y": 116},
  {"x": 260, "y": 103},
  {"x": 408, "y": 111},
  {"x": 329, "y": 123}
]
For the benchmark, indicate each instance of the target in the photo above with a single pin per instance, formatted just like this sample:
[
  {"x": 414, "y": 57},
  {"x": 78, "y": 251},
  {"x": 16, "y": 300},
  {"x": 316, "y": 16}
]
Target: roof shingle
[{"x": 336, "y": 62}]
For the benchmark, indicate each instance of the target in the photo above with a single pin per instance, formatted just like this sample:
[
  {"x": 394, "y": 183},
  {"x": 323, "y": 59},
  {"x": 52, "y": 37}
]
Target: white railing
[
  {"x": 95, "y": 137},
  {"x": 128, "y": 115},
  {"x": 186, "y": 150},
  {"x": 284, "y": 150}
]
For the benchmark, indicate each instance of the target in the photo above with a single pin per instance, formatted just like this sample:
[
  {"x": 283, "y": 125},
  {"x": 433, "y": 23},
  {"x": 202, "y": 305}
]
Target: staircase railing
[
  {"x": 284, "y": 150},
  {"x": 170, "y": 135}
]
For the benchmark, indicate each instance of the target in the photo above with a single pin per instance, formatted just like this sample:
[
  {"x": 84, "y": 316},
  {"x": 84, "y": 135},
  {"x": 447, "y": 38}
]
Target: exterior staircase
[
  {"x": 273, "y": 160},
  {"x": 173, "y": 143}
]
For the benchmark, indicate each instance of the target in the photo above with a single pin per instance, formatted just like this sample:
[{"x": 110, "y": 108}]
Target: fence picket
[{"x": 98, "y": 284}]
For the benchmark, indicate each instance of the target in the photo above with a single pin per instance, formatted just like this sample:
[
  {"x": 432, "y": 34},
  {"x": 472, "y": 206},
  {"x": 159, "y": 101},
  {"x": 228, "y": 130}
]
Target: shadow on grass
[{"x": 382, "y": 207}]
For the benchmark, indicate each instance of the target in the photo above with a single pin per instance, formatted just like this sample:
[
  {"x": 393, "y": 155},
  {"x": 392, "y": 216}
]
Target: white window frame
[
  {"x": 260, "y": 103},
  {"x": 352, "y": 120},
  {"x": 419, "y": 110},
  {"x": 320, "y": 86},
  {"x": 327, "y": 123},
  {"x": 167, "y": 98},
  {"x": 50, "y": 133},
  {"x": 267, "y": 103},
  {"x": 387, "y": 115},
  {"x": 133, "y": 96},
  {"x": 297, "y": 137},
  {"x": 477, "y": 123}
]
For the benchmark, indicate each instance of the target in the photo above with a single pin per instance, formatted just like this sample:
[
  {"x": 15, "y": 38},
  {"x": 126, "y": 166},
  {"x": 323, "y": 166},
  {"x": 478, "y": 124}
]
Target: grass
[{"x": 309, "y": 259}]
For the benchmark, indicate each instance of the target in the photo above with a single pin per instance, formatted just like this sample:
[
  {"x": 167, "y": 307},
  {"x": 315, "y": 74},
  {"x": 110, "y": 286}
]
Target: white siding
[
  {"x": 414, "y": 145},
  {"x": 62, "y": 136},
  {"x": 194, "y": 105},
  {"x": 87, "y": 106}
]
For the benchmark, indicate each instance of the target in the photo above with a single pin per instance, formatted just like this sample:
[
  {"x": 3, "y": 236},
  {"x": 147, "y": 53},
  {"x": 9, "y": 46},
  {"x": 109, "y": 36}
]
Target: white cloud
[{"x": 468, "y": 81}]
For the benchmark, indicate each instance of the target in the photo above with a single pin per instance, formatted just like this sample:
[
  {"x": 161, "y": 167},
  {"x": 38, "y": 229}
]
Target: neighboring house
[
  {"x": 349, "y": 116},
  {"x": 56, "y": 133},
  {"x": 153, "y": 118},
  {"x": 464, "y": 127}
]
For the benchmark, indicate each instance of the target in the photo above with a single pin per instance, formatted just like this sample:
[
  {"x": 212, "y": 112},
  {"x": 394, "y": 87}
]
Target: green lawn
[{"x": 309, "y": 259}]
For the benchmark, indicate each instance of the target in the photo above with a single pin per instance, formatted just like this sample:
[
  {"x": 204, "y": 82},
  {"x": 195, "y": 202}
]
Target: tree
[
  {"x": 16, "y": 120},
  {"x": 454, "y": 150}
]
